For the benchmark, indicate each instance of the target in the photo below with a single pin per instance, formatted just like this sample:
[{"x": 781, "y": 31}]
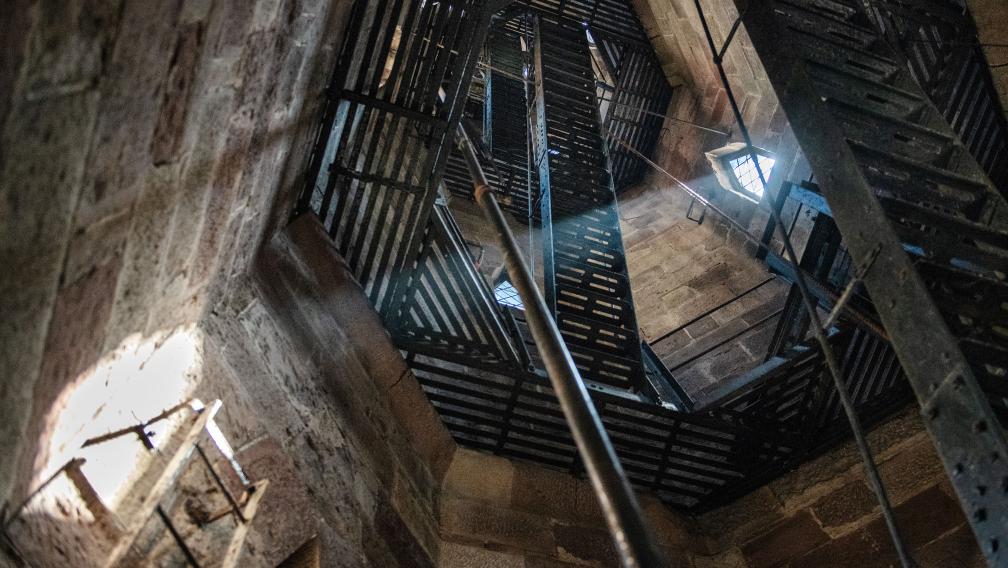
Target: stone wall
[
  {"x": 483, "y": 240},
  {"x": 499, "y": 513},
  {"x": 495, "y": 512},
  {"x": 680, "y": 269},
  {"x": 325, "y": 404},
  {"x": 825, "y": 514},
  {"x": 677, "y": 35},
  {"x": 148, "y": 149},
  {"x": 142, "y": 148},
  {"x": 992, "y": 27},
  {"x": 686, "y": 278}
]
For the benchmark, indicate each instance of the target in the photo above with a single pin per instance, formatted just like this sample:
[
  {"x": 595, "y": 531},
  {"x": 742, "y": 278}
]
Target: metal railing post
[{"x": 619, "y": 504}]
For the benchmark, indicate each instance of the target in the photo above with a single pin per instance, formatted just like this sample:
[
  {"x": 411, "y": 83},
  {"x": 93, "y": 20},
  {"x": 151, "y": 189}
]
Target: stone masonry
[{"x": 681, "y": 269}]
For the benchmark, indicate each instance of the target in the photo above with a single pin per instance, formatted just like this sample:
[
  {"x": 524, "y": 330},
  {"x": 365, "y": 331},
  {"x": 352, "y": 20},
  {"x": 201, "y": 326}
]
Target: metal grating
[
  {"x": 586, "y": 283},
  {"x": 379, "y": 168},
  {"x": 450, "y": 308},
  {"x": 395, "y": 104},
  {"x": 498, "y": 109},
  {"x": 938, "y": 39},
  {"x": 692, "y": 460},
  {"x": 920, "y": 218},
  {"x": 614, "y": 19},
  {"x": 375, "y": 182},
  {"x": 636, "y": 113}
]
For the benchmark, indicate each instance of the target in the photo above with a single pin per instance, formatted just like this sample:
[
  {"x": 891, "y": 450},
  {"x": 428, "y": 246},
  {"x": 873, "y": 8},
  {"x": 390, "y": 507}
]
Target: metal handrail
[{"x": 619, "y": 505}]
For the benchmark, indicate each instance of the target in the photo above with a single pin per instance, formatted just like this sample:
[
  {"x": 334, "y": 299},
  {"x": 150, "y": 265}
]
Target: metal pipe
[
  {"x": 616, "y": 497},
  {"x": 831, "y": 361}
]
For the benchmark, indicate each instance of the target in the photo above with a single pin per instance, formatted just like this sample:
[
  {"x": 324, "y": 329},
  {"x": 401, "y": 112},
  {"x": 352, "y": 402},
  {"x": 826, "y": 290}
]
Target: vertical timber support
[{"x": 955, "y": 410}]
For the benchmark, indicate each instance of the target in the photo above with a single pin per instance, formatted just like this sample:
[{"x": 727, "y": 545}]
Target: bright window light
[
  {"x": 747, "y": 175},
  {"x": 507, "y": 295}
]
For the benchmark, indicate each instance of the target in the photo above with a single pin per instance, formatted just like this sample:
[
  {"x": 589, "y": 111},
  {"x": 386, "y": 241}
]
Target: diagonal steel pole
[{"x": 619, "y": 505}]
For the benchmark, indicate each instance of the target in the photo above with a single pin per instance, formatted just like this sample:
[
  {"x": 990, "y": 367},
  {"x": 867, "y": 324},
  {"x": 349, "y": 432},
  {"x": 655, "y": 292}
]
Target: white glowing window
[
  {"x": 507, "y": 295},
  {"x": 736, "y": 171},
  {"x": 747, "y": 175}
]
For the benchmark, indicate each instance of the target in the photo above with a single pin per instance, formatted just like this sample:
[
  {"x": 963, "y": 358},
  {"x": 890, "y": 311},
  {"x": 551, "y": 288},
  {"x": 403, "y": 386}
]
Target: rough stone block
[
  {"x": 239, "y": 417},
  {"x": 95, "y": 246},
  {"x": 740, "y": 520},
  {"x": 480, "y": 476},
  {"x": 817, "y": 478},
  {"x": 547, "y": 562},
  {"x": 15, "y": 31},
  {"x": 135, "y": 75},
  {"x": 669, "y": 528},
  {"x": 139, "y": 283},
  {"x": 497, "y": 526},
  {"x": 461, "y": 556},
  {"x": 923, "y": 518},
  {"x": 855, "y": 550},
  {"x": 399, "y": 538},
  {"x": 66, "y": 52},
  {"x": 955, "y": 548},
  {"x": 789, "y": 539},
  {"x": 197, "y": 176},
  {"x": 76, "y": 334},
  {"x": 734, "y": 358},
  {"x": 543, "y": 491},
  {"x": 702, "y": 327},
  {"x": 914, "y": 467},
  {"x": 669, "y": 346},
  {"x": 171, "y": 121},
  {"x": 586, "y": 505},
  {"x": 896, "y": 434},
  {"x": 43, "y": 163},
  {"x": 417, "y": 512},
  {"x": 230, "y": 36},
  {"x": 593, "y": 546},
  {"x": 732, "y": 558},
  {"x": 340, "y": 304},
  {"x": 676, "y": 557},
  {"x": 846, "y": 505}
]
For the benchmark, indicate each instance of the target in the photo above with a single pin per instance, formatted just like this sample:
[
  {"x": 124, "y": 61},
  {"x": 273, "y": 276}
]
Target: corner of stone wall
[
  {"x": 825, "y": 514},
  {"x": 495, "y": 510},
  {"x": 324, "y": 401}
]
